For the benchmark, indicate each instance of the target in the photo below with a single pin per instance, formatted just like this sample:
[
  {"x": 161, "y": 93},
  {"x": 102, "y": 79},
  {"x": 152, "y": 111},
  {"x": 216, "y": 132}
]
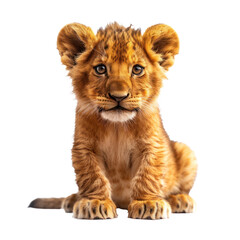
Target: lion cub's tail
[{"x": 48, "y": 203}]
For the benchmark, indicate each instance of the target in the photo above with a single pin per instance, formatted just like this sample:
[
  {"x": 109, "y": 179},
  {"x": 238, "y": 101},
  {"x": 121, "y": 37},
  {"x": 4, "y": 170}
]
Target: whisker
[{"x": 146, "y": 106}]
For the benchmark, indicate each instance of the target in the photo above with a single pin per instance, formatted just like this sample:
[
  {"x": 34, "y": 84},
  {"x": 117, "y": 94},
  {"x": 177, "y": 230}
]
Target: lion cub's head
[{"x": 118, "y": 72}]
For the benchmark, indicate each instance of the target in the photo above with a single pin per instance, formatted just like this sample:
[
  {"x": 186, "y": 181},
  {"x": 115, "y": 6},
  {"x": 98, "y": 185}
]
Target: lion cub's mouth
[
  {"x": 117, "y": 108},
  {"x": 118, "y": 114}
]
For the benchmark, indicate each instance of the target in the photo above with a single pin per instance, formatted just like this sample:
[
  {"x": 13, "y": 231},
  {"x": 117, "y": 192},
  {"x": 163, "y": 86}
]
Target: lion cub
[{"x": 121, "y": 154}]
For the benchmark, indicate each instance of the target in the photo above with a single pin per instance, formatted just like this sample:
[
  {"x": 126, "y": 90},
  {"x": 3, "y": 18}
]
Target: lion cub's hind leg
[
  {"x": 181, "y": 203},
  {"x": 69, "y": 202},
  {"x": 187, "y": 170}
]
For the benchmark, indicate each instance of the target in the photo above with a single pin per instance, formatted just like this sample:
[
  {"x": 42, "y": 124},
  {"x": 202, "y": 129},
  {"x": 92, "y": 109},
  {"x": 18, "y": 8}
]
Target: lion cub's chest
[{"x": 117, "y": 150}]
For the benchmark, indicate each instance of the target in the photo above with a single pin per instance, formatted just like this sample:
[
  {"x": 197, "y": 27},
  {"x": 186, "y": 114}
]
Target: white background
[{"x": 199, "y": 105}]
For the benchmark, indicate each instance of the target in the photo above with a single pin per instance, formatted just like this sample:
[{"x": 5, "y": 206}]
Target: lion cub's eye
[
  {"x": 137, "y": 69},
  {"x": 100, "y": 69}
]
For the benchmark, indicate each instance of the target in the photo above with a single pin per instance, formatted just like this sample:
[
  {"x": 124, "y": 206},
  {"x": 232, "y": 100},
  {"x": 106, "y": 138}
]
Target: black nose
[{"x": 118, "y": 98}]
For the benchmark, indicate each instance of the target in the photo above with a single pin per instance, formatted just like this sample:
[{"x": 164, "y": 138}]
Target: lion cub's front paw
[
  {"x": 94, "y": 209},
  {"x": 149, "y": 209}
]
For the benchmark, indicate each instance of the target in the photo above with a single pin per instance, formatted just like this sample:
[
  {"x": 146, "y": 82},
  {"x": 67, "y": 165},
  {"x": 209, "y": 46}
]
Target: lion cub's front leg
[
  {"x": 94, "y": 200},
  {"x": 146, "y": 203},
  {"x": 149, "y": 209},
  {"x": 148, "y": 188},
  {"x": 94, "y": 209},
  {"x": 89, "y": 208}
]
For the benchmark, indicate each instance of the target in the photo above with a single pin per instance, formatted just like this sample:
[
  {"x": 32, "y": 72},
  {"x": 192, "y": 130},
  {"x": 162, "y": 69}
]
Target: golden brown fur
[{"x": 123, "y": 157}]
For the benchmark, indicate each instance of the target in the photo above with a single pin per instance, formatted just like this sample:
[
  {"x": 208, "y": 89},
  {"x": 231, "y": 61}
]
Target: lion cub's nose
[{"x": 118, "y": 97}]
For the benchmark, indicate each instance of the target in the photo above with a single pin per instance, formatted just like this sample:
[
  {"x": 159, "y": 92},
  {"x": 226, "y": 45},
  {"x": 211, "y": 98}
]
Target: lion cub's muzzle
[
  {"x": 119, "y": 112},
  {"x": 119, "y": 97}
]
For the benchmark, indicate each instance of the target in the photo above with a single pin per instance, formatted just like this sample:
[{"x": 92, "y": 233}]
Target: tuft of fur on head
[{"x": 119, "y": 49}]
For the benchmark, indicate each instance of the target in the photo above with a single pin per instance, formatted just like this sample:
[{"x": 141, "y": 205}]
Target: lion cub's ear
[
  {"x": 162, "y": 40},
  {"x": 73, "y": 40}
]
